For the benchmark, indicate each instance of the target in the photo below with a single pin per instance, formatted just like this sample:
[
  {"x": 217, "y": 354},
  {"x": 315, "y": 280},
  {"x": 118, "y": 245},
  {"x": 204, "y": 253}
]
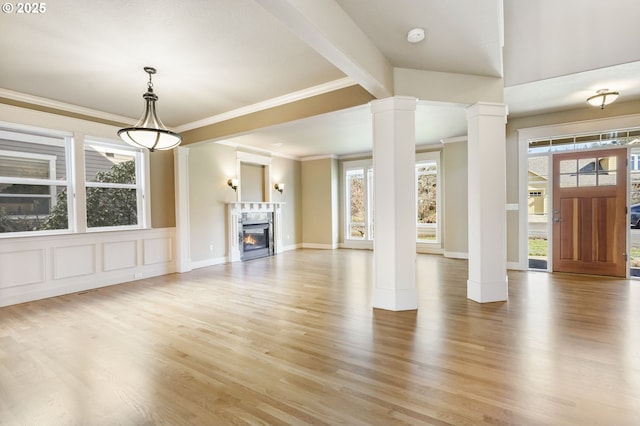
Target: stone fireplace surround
[{"x": 235, "y": 215}]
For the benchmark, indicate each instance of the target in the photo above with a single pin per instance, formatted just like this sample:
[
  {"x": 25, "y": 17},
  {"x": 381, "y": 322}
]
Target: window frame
[{"x": 75, "y": 182}]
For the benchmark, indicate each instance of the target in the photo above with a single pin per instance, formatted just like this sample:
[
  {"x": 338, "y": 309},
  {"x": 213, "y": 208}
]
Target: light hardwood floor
[{"x": 292, "y": 339}]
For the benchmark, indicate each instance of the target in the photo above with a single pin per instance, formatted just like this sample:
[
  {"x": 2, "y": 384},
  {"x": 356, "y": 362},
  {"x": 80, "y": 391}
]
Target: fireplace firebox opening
[{"x": 256, "y": 235}]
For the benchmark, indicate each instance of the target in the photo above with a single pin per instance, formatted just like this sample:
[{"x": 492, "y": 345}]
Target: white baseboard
[
  {"x": 429, "y": 250},
  {"x": 292, "y": 247},
  {"x": 516, "y": 266},
  {"x": 456, "y": 254},
  {"x": 320, "y": 246},
  {"x": 357, "y": 245},
  {"x": 209, "y": 262}
]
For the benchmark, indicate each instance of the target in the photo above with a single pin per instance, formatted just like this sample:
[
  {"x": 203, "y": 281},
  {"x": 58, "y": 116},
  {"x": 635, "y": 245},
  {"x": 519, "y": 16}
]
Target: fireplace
[
  {"x": 262, "y": 222},
  {"x": 255, "y": 235}
]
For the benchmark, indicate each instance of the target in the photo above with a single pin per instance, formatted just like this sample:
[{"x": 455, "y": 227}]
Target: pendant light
[{"x": 149, "y": 132}]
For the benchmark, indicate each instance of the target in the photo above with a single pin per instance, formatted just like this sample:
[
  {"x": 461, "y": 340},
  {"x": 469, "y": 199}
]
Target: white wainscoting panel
[
  {"x": 158, "y": 250},
  {"x": 74, "y": 261},
  {"x": 33, "y": 268},
  {"x": 22, "y": 267},
  {"x": 120, "y": 255}
]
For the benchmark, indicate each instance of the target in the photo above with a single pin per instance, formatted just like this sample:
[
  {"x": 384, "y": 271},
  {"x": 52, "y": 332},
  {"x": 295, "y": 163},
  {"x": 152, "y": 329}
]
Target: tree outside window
[{"x": 427, "y": 201}]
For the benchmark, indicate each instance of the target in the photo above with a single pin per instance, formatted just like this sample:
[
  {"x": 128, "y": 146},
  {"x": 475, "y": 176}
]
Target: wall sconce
[
  {"x": 279, "y": 187},
  {"x": 233, "y": 183}
]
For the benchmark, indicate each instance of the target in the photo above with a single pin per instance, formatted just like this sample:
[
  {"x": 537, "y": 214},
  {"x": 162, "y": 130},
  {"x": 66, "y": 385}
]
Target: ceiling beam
[
  {"x": 448, "y": 87},
  {"x": 328, "y": 29},
  {"x": 324, "y": 103}
]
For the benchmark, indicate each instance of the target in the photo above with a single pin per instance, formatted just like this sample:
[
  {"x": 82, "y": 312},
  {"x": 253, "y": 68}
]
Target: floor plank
[{"x": 292, "y": 339}]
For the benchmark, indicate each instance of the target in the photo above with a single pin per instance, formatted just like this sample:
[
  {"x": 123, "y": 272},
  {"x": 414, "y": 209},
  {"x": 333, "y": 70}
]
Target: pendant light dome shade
[
  {"x": 602, "y": 98},
  {"x": 149, "y": 132}
]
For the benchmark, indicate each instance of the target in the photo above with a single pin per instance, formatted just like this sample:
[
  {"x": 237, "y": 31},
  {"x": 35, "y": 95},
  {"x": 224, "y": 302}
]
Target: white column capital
[
  {"x": 396, "y": 103},
  {"x": 487, "y": 109}
]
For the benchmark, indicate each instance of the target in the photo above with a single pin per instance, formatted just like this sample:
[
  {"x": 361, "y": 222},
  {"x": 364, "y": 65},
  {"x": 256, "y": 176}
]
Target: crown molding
[
  {"x": 254, "y": 149},
  {"x": 63, "y": 106},
  {"x": 319, "y": 157},
  {"x": 454, "y": 139},
  {"x": 270, "y": 103}
]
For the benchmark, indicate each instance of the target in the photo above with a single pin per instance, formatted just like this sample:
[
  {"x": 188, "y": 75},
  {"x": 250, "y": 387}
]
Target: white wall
[{"x": 34, "y": 268}]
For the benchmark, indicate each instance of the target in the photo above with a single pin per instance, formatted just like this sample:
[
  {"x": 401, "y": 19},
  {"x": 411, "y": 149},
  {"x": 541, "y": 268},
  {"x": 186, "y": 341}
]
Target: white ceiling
[{"x": 220, "y": 58}]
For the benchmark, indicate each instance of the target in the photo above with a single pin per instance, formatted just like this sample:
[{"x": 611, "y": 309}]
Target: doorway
[{"x": 589, "y": 212}]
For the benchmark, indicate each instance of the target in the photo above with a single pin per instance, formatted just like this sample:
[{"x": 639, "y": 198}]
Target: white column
[
  {"x": 394, "y": 246},
  {"x": 487, "y": 197}
]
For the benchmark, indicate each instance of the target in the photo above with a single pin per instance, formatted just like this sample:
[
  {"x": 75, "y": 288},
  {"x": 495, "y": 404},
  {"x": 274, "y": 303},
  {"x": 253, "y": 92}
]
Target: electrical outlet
[{"x": 137, "y": 275}]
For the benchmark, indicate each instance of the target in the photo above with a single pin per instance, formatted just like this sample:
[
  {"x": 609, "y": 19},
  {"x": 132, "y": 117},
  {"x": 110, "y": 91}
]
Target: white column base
[
  {"x": 488, "y": 292},
  {"x": 395, "y": 299}
]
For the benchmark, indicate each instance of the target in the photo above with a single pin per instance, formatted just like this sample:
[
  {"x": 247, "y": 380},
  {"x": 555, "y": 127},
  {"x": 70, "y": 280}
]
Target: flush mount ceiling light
[
  {"x": 603, "y": 97},
  {"x": 149, "y": 132},
  {"x": 416, "y": 35}
]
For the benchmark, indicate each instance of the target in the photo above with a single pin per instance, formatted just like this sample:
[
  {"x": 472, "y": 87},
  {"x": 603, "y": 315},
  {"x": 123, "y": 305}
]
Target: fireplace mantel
[{"x": 235, "y": 211}]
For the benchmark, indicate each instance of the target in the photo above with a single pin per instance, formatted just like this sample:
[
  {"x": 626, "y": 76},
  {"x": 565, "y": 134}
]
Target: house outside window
[{"x": 33, "y": 180}]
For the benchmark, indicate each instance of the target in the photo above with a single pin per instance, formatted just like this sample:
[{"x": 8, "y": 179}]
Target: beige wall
[
  {"x": 252, "y": 182},
  {"x": 455, "y": 239},
  {"x": 320, "y": 202},
  {"x": 210, "y": 166},
  {"x": 289, "y": 172},
  {"x": 163, "y": 212}
]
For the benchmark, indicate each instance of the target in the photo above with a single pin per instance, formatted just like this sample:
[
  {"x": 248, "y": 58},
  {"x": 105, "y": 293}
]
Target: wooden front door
[{"x": 589, "y": 212}]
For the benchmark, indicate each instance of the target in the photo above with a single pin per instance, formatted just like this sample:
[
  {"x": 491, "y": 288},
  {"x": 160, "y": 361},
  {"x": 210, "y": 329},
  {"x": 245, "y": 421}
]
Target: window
[
  {"x": 427, "y": 198},
  {"x": 359, "y": 201},
  {"x": 113, "y": 185},
  {"x": 39, "y": 185},
  {"x": 585, "y": 141},
  {"x": 33, "y": 182},
  {"x": 588, "y": 172},
  {"x": 358, "y": 177}
]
